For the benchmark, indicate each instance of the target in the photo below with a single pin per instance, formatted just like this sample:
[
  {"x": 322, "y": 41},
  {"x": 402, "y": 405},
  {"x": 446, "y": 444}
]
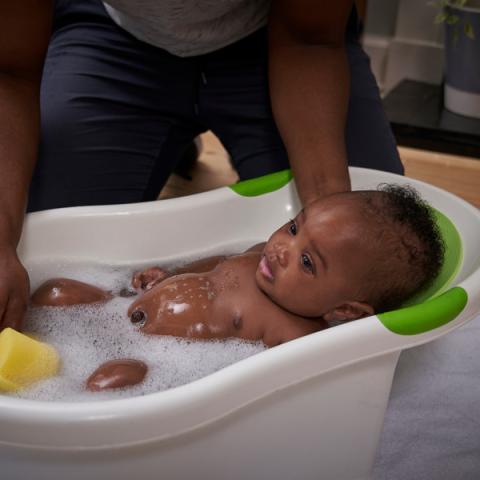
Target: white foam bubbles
[{"x": 87, "y": 336}]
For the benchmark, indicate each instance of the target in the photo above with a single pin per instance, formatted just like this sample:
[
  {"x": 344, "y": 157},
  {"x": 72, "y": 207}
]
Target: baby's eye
[
  {"x": 307, "y": 263},
  {"x": 292, "y": 227}
]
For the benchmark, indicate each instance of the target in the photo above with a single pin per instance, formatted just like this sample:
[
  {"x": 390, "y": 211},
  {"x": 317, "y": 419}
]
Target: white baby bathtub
[{"x": 309, "y": 409}]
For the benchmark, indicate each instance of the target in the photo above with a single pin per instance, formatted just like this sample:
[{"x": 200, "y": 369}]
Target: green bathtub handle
[
  {"x": 261, "y": 185},
  {"x": 426, "y": 316}
]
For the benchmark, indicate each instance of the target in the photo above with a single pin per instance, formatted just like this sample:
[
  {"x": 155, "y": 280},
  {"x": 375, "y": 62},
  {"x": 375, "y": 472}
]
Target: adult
[{"x": 128, "y": 84}]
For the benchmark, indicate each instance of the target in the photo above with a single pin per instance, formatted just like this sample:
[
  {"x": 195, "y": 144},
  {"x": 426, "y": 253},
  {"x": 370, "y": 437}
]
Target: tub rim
[{"x": 114, "y": 416}]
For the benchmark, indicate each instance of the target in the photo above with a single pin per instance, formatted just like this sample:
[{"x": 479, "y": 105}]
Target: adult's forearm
[
  {"x": 19, "y": 132},
  {"x": 309, "y": 89}
]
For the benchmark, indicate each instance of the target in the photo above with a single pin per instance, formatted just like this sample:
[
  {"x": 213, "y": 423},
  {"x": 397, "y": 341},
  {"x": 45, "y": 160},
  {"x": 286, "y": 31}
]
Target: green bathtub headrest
[
  {"x": 434, "y": 306},
  {"x": 451, "y": 264}
]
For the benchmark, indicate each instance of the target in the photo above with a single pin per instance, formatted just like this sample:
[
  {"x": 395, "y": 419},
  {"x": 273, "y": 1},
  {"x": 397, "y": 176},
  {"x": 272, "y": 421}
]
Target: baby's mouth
[{"x": 265, "y": 268}]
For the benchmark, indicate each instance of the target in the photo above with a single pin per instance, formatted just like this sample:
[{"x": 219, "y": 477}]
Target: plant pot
[{"x": 462, "y": 61}]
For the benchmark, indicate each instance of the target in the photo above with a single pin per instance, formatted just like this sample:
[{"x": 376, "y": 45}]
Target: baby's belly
[{"x": 185, "y": 306}]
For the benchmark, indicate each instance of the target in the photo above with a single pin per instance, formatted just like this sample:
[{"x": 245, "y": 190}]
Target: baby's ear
[{"x": 349, "y": 311}]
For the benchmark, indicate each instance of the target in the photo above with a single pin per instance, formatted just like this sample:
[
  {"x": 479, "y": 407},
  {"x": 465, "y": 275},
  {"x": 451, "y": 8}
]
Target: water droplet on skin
[{"x": 176, "y": 308}]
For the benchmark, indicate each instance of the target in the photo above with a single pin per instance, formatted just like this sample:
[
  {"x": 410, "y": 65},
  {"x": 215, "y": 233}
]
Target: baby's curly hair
[{"x": 407, "y": 243}]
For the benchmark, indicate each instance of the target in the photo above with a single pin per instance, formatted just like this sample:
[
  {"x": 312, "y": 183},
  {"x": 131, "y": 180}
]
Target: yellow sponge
[{"x": 24, "y": 360}]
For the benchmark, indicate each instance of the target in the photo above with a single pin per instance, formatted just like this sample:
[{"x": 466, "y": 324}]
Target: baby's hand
[{"x": 150, "y": 277}]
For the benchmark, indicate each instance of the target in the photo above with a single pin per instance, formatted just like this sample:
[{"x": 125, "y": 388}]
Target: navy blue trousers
[{"x": 117, "y": 114}]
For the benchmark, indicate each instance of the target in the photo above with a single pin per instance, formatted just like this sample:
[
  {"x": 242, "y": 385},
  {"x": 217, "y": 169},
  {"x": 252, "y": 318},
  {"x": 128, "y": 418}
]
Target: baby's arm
[
  {"x": 201, "y": 266},
  {"x": 147, "y": 279},
  {"x": 150, "y": 277},
  {"x": 287, "y": 329},
  {"x": 209, "y": 263}
]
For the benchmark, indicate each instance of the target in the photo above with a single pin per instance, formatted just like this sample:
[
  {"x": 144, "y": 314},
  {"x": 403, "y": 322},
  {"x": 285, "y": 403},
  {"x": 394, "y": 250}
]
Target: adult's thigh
[
  {"x": 369, "y": 138},
  {"x": 235, "y": 104},
  {"x": 114, "y": 114}
]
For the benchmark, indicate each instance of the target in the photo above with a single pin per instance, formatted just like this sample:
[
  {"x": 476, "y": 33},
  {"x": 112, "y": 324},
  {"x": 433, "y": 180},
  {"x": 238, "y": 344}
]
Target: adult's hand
[
  {"x": 14, "y": 289},
  {"x": 24, "y": 34},
  {"x": 309, "y": 88}
]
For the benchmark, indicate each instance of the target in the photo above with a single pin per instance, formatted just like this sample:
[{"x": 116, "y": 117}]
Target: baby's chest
[
  {"x": 185, "y": 305},
  {"x": 248, "y": 312}
]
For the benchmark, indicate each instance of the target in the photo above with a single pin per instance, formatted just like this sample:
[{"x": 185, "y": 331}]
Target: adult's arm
[
  {"x": 309, "y": 87},
  {"x": 24, "y": 33}
]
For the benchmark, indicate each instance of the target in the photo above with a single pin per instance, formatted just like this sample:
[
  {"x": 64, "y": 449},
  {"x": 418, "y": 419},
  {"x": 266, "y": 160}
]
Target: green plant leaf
[
  {"x": 468, "y": 29},
  {"x": 441, "y": 17},
  {"x": 452, "y": 19}
]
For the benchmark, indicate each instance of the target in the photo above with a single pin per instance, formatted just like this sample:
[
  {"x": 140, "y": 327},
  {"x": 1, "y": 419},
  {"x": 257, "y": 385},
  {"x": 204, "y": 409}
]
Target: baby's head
[{"x": 352, "y": 254}]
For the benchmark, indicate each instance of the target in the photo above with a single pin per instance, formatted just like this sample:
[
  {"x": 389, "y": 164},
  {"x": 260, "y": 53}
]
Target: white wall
[{"x": 403, "y": 41}]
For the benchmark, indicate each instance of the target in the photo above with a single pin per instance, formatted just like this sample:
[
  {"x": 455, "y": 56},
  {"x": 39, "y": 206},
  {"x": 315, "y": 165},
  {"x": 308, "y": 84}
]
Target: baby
[{"x": 343, "y": 257}]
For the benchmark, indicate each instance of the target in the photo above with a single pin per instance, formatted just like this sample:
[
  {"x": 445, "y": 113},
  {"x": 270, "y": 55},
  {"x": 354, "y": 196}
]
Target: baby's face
[{"x": 316, "y": 262}]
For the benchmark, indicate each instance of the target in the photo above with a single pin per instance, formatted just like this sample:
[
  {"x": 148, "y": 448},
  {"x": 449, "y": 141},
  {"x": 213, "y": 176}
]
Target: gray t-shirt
[{"x": 189, "y": 27}]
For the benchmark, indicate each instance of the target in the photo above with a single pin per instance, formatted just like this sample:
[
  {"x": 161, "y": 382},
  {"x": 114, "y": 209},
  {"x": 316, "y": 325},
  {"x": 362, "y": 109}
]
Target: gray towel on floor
[{"x": 432, "y": 426}]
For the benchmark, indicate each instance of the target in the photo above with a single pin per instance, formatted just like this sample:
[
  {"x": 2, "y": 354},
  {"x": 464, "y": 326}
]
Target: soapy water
[{"x": 86, "y": 336}]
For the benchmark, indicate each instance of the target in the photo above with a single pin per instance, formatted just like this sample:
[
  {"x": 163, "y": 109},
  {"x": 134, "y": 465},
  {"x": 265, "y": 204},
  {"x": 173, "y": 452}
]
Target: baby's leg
[
  {"x": 64, "y": 291},
  {"x": 119, "y": 373}
]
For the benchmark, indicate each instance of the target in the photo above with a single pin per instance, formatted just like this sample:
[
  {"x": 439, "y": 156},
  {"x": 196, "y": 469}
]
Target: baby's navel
[{"x": 237, "y": 321}]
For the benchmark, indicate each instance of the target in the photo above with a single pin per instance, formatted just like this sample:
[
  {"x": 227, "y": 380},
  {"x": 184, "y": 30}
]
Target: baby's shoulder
[{"x": 242, "y": 261}]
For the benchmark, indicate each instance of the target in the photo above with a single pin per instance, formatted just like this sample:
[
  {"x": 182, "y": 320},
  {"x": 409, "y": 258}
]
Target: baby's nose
[{"x": 282, "y": 254}]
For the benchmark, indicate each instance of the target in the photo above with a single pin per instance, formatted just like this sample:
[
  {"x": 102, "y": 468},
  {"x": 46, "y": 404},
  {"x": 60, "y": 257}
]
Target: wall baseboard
[
  {"x": 395, "y": 59},
  {"x": 377, "y": 48}
]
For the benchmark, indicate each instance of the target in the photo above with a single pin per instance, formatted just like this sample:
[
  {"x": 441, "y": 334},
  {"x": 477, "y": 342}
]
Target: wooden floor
[
  {"x": 213, "y": 170},
  {"x": 459, "y": 175}
]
